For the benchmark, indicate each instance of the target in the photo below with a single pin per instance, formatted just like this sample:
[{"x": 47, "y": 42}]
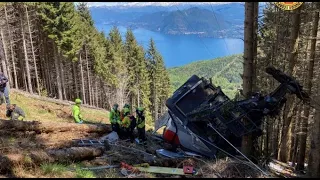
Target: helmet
[
  {"x": 126, "y": 106},
  {"x": 140, "y": 109},
  {"x": 78, "y": 101},
  {"x": 115, "y": 106}
]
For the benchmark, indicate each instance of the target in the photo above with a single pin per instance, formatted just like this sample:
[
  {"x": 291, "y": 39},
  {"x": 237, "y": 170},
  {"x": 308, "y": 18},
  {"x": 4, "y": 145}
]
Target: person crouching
[{"x": 14, "y": 112}]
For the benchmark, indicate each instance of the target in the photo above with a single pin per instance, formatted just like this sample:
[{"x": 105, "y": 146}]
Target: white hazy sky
[{"x": 96, "y": 4}]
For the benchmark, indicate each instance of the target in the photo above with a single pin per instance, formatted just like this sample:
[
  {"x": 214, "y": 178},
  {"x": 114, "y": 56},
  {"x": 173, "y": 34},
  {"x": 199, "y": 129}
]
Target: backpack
[{"x": 133, "y": 123}]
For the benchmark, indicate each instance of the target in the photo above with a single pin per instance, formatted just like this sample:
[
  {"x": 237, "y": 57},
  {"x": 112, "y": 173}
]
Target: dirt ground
[
  {"x": 24, "y": 143},
  {"x": 15, "y": 145}
]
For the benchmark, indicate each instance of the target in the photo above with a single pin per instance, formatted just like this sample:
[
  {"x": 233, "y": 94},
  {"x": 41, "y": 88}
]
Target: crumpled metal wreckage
[{"x": 203, "y": 120}]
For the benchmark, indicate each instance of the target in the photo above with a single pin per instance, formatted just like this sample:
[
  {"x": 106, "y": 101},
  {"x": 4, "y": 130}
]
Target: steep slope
[{"x": 227, "y": 71}]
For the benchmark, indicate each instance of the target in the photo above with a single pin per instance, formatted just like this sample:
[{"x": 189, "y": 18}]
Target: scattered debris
[{"x": 282, "y": 169}]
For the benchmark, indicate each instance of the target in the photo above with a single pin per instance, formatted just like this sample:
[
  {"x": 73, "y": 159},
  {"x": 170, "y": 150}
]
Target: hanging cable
[{"x": 194, "y": 31}]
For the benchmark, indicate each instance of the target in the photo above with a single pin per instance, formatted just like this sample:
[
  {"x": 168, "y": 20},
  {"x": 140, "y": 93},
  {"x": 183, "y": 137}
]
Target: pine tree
[
  {"x": 131, "y": 59},
  {"x": 118, "y": 67},
  {"x": 143, "y": 83},
  {"x": 159, "y": 80}
]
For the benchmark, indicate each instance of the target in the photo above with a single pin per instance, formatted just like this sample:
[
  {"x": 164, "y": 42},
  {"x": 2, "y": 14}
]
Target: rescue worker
[
  {"x": 141, "y": 125},
  {"x": 122, "y": 111},
  {"x": 4, "y": 89},
  {"x": 115, "y": 118},
  {"x": 128, "y": 124},
  {"x": 77, "y": 117},
  {"x": 15, "y": 112}
]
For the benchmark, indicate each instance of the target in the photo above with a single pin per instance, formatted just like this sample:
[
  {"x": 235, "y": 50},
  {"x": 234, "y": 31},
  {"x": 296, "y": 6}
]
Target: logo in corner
[{"x": 288, "y": 6}]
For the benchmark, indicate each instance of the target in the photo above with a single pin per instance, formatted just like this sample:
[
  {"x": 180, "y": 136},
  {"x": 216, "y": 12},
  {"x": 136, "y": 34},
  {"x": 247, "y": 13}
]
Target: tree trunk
[
  {"x": 26, "y": 58},
  {"x": 56, "y": 63},
  {"x": 283, "y": 154},
  {"x": 63, "y": 84},
  {"x": 96, "y": 92},
  {"x": 12, "y": 52},
  {"x": 46, "y": 66},
  {"x": 306, "y": 111},
  {"x": 66, "y": 155},
  {"x": 33, "y": 54},
  {"x": 75, "y": 79},
  {"x": 49, "y": 127},
  {"x": 82, "y": 81},
  {"x": 314, "y": 158},
  {"x": 155, "y": 102},
  {"x": 248, "y": 65},
  {"x": 88, "y": 77},
  {"x": 4, "y": 58},
  {"x": 138, "y": 97}
]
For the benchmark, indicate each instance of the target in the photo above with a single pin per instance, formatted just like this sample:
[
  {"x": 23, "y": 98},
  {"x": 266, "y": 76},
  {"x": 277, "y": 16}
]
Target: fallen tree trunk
[
  {"x": 67, "y": 155},
  {"x": 48, "y": 127}
]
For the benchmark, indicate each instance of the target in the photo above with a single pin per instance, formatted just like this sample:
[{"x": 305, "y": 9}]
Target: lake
[{"x": 178, "y": 50}]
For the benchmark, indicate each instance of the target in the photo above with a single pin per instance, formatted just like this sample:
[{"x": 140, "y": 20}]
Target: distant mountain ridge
[
  {"x": 190, "y": 21},
  {"x": 229, "y": 15}
]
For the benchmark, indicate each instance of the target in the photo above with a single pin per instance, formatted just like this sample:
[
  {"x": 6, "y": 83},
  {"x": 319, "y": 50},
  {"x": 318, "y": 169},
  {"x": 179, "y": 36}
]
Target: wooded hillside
[
  {"x": 53, "y": 49},
  {"x": 287, "y": 40},
  {"x": 224, "y": 71}
]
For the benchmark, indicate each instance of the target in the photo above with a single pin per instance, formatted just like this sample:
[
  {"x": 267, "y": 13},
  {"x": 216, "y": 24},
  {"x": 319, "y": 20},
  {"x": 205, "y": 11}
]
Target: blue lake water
[{"x": 178, "y": 50}]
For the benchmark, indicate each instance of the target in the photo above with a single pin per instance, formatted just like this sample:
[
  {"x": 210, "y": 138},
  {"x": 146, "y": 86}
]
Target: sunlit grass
[
  {"x": 84, "y": 174},
  {"x": 39, "y": 110},
  {"x": 53, "y": 169}
]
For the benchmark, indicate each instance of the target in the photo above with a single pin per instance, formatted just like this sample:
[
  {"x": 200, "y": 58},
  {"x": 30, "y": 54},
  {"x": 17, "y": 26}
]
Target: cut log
[
  {"x": 66, "y": 155},
  {"x": 74, "y": 154},
  {"x": 47, "y": 127}
]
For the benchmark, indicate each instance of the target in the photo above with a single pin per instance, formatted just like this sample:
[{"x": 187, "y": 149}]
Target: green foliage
[
  {"x": 84, "y": 12},
  {"x": 159, "y": 77},
  {"x": 84, "y": 174},
  {"x": 61, "y": 24},
  {"x": 229, "y": 69},
  {"x": 71, "y": 29},
  {"x": 56, "y": 169}
]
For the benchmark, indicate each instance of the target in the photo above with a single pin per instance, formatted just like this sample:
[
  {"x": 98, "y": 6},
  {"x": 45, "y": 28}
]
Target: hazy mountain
[
  {"x": 189, "y": 21},
  {"x": 230, "y": 16}
]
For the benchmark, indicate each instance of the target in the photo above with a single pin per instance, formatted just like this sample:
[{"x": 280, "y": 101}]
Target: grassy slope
[
  {"x": 47, "y": 111},
  {"x": 39, "y": 110},
  {"x": 229, "y": 78}
]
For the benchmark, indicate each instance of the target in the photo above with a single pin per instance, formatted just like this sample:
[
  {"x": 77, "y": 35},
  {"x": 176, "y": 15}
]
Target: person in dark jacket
[
  {"x": 15, "y": 113},
  {"x": 4, "y": 89},
  {"x": 141, "y": 123}
]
